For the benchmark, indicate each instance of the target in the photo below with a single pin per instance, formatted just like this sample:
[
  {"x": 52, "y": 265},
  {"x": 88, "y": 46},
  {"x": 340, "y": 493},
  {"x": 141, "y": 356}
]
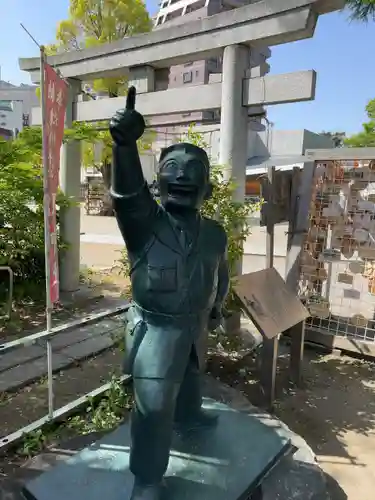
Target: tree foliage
[
  {"x": 365, "y": 138},
  {"x": 96, "y": 143},
  {"x": 21, "y": 210},
  {"x": 94, "y": 22},
  {"x": 362, "y": 10},
  {"x": 21, "y": 207}
]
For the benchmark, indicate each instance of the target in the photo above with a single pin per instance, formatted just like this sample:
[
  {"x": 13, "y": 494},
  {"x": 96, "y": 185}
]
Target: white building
[
  {"x": 15, "y": 105},
  {"x": 11, "y": 115}
]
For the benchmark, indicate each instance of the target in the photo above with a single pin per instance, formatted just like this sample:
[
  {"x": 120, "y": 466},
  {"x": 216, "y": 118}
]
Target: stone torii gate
[{"x": 239, "y": 35}]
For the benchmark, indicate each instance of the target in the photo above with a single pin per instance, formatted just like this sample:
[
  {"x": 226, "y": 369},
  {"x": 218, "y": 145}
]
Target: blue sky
[{"x": 340, "y": 52}]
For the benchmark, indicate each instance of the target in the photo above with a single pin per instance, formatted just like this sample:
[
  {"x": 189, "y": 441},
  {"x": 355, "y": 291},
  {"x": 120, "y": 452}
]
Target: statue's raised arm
[{"x": 134, "y": 206}]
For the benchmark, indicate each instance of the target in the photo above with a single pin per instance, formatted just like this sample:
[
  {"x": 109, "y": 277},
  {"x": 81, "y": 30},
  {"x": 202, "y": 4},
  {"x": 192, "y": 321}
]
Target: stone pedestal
[{"x": 247, "y": 448}]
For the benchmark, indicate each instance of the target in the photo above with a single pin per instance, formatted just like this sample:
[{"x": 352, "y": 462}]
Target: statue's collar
[{"x": 186, "y": 231}]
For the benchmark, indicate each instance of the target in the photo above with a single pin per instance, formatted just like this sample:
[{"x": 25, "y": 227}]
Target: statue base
[{"x": 227, "y": 462}]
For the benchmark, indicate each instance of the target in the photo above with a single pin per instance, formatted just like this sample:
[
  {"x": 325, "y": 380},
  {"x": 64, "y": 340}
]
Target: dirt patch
[
  {"x": 31, "y": 403},
  {"x": 334, "y": 412}
]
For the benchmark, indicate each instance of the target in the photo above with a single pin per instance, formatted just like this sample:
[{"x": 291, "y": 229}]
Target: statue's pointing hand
[{"x": 127, "y": 126}]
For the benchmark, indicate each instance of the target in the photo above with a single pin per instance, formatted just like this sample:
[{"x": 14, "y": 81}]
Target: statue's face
[{"x": 182, "y": 180}]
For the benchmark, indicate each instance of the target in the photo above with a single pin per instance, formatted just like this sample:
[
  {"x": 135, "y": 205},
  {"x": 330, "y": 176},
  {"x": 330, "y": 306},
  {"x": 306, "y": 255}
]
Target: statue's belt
[{"x": 150, "y": 315}]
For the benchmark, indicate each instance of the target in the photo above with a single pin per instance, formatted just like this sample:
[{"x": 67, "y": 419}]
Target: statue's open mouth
[{"x": 181, "y": 189}]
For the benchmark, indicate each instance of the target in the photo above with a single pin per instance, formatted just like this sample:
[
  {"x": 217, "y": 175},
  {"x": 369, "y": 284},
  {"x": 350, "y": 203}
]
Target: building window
[
  {"x": 3, "y": 124},
  {"x": 195, "y": 6},
  {"x": 173, "y": 15},
  {"x": 187, "y": 77}
]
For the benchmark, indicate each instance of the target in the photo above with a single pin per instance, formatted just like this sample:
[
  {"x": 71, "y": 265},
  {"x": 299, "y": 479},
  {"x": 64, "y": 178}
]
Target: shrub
[{"x": 21, "y": 211}]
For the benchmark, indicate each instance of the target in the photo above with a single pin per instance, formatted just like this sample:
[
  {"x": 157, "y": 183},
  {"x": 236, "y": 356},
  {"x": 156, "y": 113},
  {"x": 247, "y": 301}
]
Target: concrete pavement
[{"x": 23, "y": 365}]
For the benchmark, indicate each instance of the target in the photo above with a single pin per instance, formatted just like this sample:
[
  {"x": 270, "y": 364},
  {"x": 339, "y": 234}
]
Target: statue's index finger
[{"x": 130, "y": 99}]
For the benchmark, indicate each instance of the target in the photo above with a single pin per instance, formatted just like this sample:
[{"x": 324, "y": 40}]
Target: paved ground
[{"x": 101, "y": 245}]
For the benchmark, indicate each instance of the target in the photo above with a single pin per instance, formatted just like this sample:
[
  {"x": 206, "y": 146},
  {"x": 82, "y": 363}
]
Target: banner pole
[
  {"x": 47, "y": 236},
  {"x": 46, "y": 200}
]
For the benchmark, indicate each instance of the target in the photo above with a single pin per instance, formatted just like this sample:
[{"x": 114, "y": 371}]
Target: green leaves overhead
[
  {"x": 95, "y": 22},
  {"x": 365, "y": 138}
]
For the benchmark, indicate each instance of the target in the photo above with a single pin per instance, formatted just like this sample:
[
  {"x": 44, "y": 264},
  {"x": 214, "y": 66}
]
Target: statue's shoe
[
  {"x": 147, "y": 491},
  {"x": 202, "y": 419}
]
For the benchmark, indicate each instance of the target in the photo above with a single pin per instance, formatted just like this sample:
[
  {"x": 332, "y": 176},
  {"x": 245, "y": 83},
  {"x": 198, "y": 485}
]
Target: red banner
[{"x": 55, "y": 95}]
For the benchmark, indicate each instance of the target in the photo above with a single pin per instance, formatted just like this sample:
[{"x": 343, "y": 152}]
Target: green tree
[
  {"x": 94, "y": 22},
  {"x": 362, "y": 10},
  {"x": 365, "y": 138},
  {"x": 21, "y": 210},
  {"x": 96, "y": 144}
]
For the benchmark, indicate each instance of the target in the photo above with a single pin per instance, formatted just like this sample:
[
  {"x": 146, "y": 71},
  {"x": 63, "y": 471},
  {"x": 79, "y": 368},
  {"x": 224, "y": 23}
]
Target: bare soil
[{"x": 334, "y": 412}]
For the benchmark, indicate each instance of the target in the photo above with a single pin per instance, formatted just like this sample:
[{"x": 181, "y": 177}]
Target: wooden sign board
[
  {"x": 270, "y": 305},
  {"x": 282, "y": 187}
]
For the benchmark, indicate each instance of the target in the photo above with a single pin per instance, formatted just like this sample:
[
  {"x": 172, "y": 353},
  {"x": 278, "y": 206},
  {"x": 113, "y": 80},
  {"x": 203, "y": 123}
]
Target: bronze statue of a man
[{"x": 179, "y": 276}]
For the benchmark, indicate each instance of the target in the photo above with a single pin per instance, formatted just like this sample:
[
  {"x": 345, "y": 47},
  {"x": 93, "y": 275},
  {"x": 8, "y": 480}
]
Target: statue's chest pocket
[{"x": 162, "y": 278}]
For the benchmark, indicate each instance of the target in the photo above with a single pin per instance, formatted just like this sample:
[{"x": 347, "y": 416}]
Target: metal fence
[
  {"x": 45, "y": 340},
  {"x": 337, "y": 270}
]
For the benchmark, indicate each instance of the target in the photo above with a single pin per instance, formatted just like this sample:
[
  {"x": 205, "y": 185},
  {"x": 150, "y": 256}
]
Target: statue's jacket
[{"x": 174, "y": 287}]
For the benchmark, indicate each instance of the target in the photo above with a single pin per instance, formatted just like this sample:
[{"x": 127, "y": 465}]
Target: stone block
[{"x": 224, "y": 463}]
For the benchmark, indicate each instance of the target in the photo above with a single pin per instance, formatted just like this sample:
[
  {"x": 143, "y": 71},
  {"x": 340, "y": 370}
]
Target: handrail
[
  {"x": 59, "y": 413},
  {"x": 67, "y": 327}
]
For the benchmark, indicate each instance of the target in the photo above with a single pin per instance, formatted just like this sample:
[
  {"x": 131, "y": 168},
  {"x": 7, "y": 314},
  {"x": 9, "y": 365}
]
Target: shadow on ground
[{"x": 334, "y": 411}]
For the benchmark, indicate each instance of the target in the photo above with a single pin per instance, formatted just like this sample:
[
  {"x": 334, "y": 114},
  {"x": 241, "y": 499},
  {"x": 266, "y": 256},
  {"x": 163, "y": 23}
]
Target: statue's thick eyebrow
[{"x": 176, "y": 159}]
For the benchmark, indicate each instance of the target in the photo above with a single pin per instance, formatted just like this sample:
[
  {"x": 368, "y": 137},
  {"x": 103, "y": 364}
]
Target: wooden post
[
  {"x": 269, "y": 350},
  {"x": 297, "y": 332}
]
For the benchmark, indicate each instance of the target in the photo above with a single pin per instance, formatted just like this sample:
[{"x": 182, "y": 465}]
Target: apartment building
[{"x": 175, "y": 12}]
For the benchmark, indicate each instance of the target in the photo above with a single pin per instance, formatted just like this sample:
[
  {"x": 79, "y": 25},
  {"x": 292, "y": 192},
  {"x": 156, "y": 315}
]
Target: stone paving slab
[
  {"x": 26, "y": 364},
  {"x": 64, "y": 339},
  {"x": 21, "y": 375}
]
